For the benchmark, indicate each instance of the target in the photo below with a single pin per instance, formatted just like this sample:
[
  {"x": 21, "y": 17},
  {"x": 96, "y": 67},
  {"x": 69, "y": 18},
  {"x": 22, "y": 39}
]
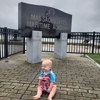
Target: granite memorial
[
  {"x": 36, "y": 22},
  {"x": 49, "y": 20}
]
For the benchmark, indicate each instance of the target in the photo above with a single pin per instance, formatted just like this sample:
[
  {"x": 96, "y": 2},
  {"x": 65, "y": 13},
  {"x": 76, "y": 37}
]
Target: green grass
[
  {"x": 15, "y": 43},
  {"x": 95, "y": 57},
  {"x": 80, "y": 44},
  {"x": 50, "y": 43}
]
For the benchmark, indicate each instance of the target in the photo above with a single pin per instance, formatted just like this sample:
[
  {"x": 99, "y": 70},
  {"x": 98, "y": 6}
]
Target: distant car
[{"x": 86, "y": 41}]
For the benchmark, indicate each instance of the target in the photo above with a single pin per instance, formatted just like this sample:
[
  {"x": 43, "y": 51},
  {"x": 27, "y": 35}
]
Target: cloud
[{"x": 85, "y": 13}]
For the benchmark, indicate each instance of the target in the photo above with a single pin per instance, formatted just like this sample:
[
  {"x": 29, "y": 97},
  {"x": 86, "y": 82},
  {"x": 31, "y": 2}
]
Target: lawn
[{"x": 95, "y": 57}]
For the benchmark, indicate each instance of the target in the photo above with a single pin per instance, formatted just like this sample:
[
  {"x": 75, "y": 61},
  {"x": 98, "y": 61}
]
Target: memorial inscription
[{"x": 49, "y": 20}]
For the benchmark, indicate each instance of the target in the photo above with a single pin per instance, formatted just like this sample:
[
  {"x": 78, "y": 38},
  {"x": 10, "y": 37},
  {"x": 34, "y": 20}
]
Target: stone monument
[
  {"x": 34, "y": 45},
  {"x": 37, "y": 22},
  {"x": 60, "y": 48}
]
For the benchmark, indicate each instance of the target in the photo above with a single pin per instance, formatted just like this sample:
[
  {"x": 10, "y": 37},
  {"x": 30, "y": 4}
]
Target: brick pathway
[{"x": 78, "y": 78}]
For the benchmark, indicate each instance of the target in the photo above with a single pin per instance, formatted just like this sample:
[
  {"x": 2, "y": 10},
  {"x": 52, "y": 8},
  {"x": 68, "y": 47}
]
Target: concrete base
[
  {"x": 60, "y": 48},
  {"x": 34, "y": 46}
]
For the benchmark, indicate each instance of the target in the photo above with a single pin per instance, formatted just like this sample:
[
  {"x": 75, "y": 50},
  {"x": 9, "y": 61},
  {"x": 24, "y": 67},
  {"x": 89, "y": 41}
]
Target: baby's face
[{"x": 46, "y": 67}]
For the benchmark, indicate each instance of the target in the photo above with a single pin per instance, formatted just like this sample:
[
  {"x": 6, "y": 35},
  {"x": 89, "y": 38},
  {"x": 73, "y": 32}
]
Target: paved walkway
[{"x": 78, "y": 78}]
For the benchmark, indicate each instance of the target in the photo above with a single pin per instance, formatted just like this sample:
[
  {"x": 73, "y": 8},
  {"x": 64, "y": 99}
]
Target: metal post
[
  {"x": 5, "y": 42},
  {"x": 23, "y": 45},
  {"x": 93, "y": 42}
]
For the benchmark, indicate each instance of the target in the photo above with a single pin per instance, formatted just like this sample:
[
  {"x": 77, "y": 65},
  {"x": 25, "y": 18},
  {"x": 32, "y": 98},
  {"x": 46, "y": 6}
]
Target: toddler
[{"x": 46, "y": 81}]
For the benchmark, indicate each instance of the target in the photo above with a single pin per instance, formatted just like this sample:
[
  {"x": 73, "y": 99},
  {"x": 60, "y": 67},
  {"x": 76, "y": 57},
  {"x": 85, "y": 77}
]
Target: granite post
[
  {"x": 34, "y": 45},
  {"x": 60, "y": 48}
]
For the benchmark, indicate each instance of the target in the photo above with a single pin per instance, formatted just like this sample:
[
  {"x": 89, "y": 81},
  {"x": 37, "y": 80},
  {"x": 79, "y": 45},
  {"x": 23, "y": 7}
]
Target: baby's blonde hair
[{"x": 48, "y": 62}]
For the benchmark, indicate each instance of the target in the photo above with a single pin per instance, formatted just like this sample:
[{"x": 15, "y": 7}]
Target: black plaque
[{"x": 49, "y": 20}]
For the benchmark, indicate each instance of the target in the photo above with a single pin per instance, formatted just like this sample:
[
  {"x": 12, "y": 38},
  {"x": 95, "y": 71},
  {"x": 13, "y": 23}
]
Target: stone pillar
[
  {"x": 60, "y": 48},
  {"x": 34, "y": 46}
]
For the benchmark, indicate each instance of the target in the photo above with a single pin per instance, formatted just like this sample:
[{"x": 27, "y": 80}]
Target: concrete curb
[{"x": 93, "y": 60}]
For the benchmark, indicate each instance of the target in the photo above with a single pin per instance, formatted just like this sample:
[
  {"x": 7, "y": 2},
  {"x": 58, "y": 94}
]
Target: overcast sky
[{"x": 85, "y": 13}]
